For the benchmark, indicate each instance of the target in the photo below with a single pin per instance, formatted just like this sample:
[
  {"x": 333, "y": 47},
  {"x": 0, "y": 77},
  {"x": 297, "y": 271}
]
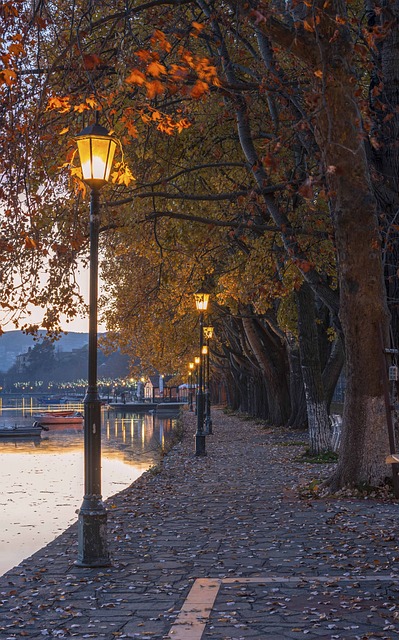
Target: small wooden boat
[
  {"x": 22, "y": 431},
  {"x": 59, "y": 418}
]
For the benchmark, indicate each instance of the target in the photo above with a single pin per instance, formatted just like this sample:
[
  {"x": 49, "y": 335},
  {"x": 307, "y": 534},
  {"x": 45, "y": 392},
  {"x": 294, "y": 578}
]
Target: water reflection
[{"x": 42, "y": 478}]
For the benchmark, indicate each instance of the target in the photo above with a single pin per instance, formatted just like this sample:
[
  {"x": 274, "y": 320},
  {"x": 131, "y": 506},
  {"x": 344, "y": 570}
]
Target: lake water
[{"x": 42, "y": 479}]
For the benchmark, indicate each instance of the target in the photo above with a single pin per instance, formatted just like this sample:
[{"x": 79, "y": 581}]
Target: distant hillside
[{"x": 12, "y": 343}]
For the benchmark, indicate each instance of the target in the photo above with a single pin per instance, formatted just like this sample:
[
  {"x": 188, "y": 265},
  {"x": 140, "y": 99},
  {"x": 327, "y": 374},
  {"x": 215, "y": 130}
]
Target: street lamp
[
  {"x": 96, "y": 152},
  {"x": 201, "y": 302},
  {"x": 208, "y": 335},
  {"x": 191, "y": 368}
]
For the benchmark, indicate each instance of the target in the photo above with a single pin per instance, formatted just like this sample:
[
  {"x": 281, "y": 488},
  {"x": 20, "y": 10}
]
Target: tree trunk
[
  {"x": 278, "y": 400},
  {"x": 332, "y": 371},
  {"x": 319, "y": 426},
  {"x": 363, "y": 310},
  {"x": 298, "y": 418}
]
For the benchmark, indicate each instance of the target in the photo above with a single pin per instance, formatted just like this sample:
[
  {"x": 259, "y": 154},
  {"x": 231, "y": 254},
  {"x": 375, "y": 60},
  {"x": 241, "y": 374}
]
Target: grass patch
[
  {"x": 176, "y": 436},
  {"x": 323, "y": 458},
  {"x": 154, "y": 470}
]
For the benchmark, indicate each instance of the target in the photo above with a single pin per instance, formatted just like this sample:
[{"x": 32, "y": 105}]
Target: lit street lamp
[
  {"x": 208, "y": 335},
  {"x": 96, "y": 152},
  {"x": 201, "y": 302}
]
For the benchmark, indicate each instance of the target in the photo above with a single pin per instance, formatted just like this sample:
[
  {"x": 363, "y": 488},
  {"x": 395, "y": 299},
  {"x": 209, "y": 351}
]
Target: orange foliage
[
  {"x": 136, "y": 77},
  {"x": 154, "y": 88}
]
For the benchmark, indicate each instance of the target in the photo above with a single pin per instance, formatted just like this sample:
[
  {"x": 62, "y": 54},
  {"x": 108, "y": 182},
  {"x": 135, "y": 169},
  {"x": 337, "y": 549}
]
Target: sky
[{"x": 79, "y": 324}]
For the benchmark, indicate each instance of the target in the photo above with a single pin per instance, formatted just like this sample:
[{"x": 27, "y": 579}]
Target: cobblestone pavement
[{"x": 223, "y": 548}]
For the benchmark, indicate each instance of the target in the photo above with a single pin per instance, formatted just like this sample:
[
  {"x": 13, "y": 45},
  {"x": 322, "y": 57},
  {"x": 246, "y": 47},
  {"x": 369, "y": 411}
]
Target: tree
[{"x": 289, "y": 147}]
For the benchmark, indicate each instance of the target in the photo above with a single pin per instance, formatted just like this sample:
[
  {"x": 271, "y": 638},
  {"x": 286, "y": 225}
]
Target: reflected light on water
[{"x": 42, "y": 481}]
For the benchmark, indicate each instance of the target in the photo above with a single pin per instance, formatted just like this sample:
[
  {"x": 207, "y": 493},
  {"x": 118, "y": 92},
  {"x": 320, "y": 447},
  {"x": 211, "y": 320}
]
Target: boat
[
  {"x": 60, "y": 400},
  {"x": 59, "y": 418},
  {"x": 22, "y": 431}
]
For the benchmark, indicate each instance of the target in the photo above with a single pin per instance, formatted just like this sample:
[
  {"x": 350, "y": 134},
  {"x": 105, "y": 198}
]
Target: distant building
[
  {"x": 156, "y": 389},
  {"x": 23, "y": 360}
]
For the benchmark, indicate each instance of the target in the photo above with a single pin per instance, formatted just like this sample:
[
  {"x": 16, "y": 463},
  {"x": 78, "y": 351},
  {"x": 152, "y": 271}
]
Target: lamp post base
[
  {"x": 200, "y": 449},
  {"x": 92, "y": 534}
]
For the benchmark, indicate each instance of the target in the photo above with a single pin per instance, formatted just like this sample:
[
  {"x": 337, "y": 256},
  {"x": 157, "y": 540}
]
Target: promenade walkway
[{"x": 220, "y": 548}]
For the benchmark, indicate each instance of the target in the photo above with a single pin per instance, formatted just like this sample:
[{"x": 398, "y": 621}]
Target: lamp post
[
  {"x": 201, "y": 302},
  {"x": 191, "y": 368},
  {"x": 208, "y": 335},
  {"x": 96, "y": 151}
]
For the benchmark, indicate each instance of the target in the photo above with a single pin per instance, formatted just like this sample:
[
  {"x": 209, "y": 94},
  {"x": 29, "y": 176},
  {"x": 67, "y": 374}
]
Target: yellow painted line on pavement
[{"x": 195, "y": 613}]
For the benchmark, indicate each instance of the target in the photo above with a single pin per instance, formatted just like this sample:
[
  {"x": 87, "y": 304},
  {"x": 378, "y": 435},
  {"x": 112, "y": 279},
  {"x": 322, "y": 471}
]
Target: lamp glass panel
[
  {"x": 197, "y": 360},
  {"x": 208, "y": 332},
  {"x": 201, "y": 301},
  {"x": 85, "y": 157},
  {"x": 96, "y": 157}
]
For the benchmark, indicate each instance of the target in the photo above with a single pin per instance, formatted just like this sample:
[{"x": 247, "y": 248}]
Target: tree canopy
[{"x": 258, "y": 154}]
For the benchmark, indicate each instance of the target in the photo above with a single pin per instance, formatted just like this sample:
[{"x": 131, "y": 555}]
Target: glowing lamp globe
[
  {"x": 96, "y": 152},
  {"x": 208, "y": 332},
  {"x": 201, "y": 300}
]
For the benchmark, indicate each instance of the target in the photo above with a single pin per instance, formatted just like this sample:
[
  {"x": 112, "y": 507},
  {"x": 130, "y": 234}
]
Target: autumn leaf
[
  {"x": 60, "y": 104},
  {"x": 159, "y": 38},
  {"x": 154, "y": 88},
  {"x": 308, "y": 26},
  {"x": 136, "y": 77},
  {"x": 145, "y": 56},
  {"x": 76, "y": 172},
  {"x": 183, "y": 124},
  {"x": 197, "y": 25},
  {"x": 199, "y": 89},
  {"x": 178, "y": 72},
  {"x": 80, "y": 108},
  {"x": 92, "y": 103},
  {"x": 156, "y": 69},
  {"x": 91, "y": 61},
  {"x": 122, "y": 175},
  {"x": 30, "y": 243},
  {"x": 16, "y": 49},
  {"x": 131, "y": 129},
  {"x": 7, "y": 76}
]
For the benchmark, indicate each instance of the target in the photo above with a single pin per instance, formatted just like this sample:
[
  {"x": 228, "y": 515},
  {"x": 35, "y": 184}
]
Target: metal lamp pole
[
  {"x": 208, "y": 333},
  {"x": 96, "y": 151},
  {"x": 191, "y": 370},
  {"x": 205, "y": 383},
  {"x": 200, "y": 449},
  {"x": 197, "y": 361}
]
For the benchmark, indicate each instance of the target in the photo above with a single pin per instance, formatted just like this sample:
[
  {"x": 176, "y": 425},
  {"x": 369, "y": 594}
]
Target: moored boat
[
  {"x": 22, "y": 431},
  {"x": 60, "y": 418}
]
